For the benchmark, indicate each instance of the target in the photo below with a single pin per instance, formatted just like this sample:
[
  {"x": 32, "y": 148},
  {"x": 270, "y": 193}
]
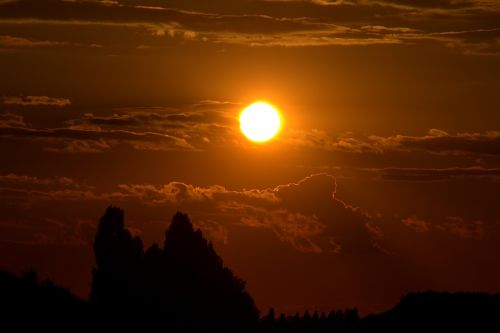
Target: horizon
[{"x": 366, "y": 167}]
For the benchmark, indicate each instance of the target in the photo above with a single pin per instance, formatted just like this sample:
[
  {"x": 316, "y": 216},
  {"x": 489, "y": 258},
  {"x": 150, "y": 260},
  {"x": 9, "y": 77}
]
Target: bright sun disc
[{"x": 260, "y": 122}]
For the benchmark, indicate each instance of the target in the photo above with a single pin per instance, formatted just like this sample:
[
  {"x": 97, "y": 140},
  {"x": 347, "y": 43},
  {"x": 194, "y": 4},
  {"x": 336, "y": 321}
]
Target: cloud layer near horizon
[
  {"x": 328, "y": 226},
  {"x": 325, "y": 225}
]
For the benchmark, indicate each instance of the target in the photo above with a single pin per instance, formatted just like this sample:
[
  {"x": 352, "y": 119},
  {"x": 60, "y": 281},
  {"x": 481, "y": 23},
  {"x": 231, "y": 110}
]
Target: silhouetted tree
[
  {"x": 270, "y": 316},
  {"x": 116, "y": 278},
  {"x": 307, "y": 316},
  {"x": 185, "y": 283},
  {"x": 282, "y": 319},
  {"x": 201, "y": 286},
  {"x": 268, "y": 322}
]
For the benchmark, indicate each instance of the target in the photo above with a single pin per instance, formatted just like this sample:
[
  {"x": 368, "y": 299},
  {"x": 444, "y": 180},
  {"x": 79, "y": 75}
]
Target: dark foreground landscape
[{"x": 184, "y": 286}]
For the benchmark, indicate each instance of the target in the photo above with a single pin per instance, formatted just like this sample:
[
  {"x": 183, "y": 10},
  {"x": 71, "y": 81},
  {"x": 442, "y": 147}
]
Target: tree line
[{"x": 183, "y": 286}]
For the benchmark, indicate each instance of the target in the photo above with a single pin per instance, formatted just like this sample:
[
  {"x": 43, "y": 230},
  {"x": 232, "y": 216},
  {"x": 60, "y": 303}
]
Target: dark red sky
[{"x": 384, "y": 179}]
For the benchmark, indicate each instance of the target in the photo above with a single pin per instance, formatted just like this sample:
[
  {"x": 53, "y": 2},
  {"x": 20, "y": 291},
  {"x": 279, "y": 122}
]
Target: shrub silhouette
[
  {"x": 26, "y": 301},
  {"x": 440, "y": 311},
  {"x": 185, "y": 281}
]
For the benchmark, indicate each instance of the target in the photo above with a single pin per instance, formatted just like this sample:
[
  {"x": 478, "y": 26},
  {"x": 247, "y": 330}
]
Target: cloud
[
  {"x": 431, "y": 174},
  {"x": 192, "y": 127},
  {"x": 27, "y": 189},
  {"x": 82, "y": 146},
  {"x": 199, "y": 124},
  {"x": 302, "y": 39},
  {"x": 158, "y": 118},
  {"x": 214, "y": 124},
  {"x": 62, "y": 181},
  {"x": 324, "y": 225},
  {"x": 20, "y": 42},
  {"x": 214, "y": 230},
  {"x": 75, "y": 140},
  {"x": 171, "y": 193},
  {"x": 416, "y": 224},
  {"x": 294, "y": 228},
  {"x": 435, "y": 142},
  {"x": 178, "y": 192},
  {"x": 277, "y": 23},
  {"x": 423, "y": 8},
  {"x": 459, "y": 227},
  {"x": 36, "y": 101},
  {"x": 87, "y": 11},
  {"x": 471, "y": 42},
  {"x": 321, "y": 140},
  {"x": 11, "y": 120},
  {"x": 29, "y": 197},
  {"x": 454, "y": 225},
  {"x": 438, "y": 141}
]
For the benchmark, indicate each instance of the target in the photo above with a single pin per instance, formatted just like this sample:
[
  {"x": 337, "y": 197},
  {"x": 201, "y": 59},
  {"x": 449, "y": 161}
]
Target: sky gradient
[{"x": 384, "y": 179}]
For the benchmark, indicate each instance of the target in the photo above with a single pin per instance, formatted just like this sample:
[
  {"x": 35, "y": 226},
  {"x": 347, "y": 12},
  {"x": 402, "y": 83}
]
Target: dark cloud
[
  {"x": 214, "y": 230},
  {"x": 442, "y": 142},
  {"x": 454, "y": 225},
  {"x": 416, "y": 224},
  {"x": 80, "y": 146},
  {"x": 459, "y": 227},
  {"x": 416, "y": 174},
  {"x": 326, "y": 225},
  {"x": 214, "y": 124},
  {"x": 27, "y": 198},
  {"x": 19, "y": 42},
  {"x": 25, "y": 179},
  {"x": 467, "y": 25},
  {"x": 472, "y": 42},
  {"x": 155, "y": 119},
  {"x": 35, "y": 100},
  {"x": 11, "y": 120},
  {"x": 211, "y": 123},
  {"x": 197, "y": 124},
  {"x": 92, "y": 140},
  {"x": 425, "y": 3},
  {"x": 53, "y": 10},
  {"x": 436, "y": 141},
  {"x": 340, "y": 9},
  {"x": 144, "y": 128}
]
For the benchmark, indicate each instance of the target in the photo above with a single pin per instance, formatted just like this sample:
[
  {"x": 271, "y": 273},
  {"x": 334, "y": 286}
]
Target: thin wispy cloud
[
  {"x": 36, "y": 101},
  {"x": 323, "y": 23}
]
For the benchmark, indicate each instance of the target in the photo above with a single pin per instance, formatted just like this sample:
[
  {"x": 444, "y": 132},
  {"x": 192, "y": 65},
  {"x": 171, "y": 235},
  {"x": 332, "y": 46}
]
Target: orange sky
[{"x": 384, "y": 179}]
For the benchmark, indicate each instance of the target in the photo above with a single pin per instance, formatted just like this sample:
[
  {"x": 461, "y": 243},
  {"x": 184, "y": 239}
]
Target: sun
[{"x": 260, "y": 122}]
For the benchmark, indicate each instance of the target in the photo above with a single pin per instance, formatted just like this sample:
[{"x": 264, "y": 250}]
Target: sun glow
[{"x": 260, "y": 122}]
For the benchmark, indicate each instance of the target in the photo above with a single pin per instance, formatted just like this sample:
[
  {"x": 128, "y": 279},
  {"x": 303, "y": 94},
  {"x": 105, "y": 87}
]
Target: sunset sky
[{"x": 384, "y": 178}]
